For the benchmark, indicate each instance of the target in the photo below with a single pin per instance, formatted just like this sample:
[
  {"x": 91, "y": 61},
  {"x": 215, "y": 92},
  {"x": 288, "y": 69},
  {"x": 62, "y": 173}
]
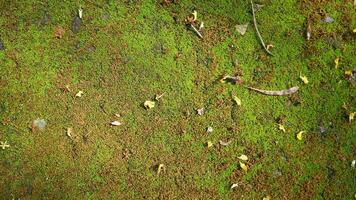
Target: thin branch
[
  {"x": 196, "y": 31},
  {"x": 258, "y": 32}
]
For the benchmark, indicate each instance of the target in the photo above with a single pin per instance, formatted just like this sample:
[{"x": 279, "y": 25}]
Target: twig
[
  {"x": 258, "y": 32},
  {"x": 196, "y": 31}
]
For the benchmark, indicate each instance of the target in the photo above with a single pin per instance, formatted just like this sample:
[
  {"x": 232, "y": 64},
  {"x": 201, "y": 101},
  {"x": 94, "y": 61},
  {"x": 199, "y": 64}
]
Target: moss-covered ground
[{"x": 126, "y": 52}]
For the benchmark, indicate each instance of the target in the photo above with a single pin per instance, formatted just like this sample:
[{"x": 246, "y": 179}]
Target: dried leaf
[
  {"x": 300, "y": 135},
  {"x": 149, "y": 104},
  {"x": 351, "y": 116},
  {"x": 159, "y": 96},
  {"x": 281, "y": 127},
  {"x": 222, "y": 143},
  {"x": 209, "y": 144},
  {"x": 209, "y": 129},
  {"x": 353, "y": 163},
  {"x": 200, "y": 111},
  {"x": 337, "y": 60},
  {"x": 80, "y": 13},
  {"x": 241, "y": 28},
  {"x": 304, "y": 79},
  {"x": 243, "y": 166},
  {"x": 161, "y": 167},
  {"x": 79, "y": 94},
  {"x": 354, "y": 30},
  {"x": 4, "y": 145},
  {"x": 269, "y": 46},
  {"x": 201, "y": 26},
  {"x": 231, "y": 79},
  {"x": 267, "y": 198},
  {"x": 348, "y": 72},
  {"x": 195, "y": 15},
  {"x": 115, "y": 123},
  {"x": 69, "y": 132},
  {"x": 234, "y": 186},
  {"x": 59, "y": 32},
  {"x": 243, "y": 157},
  {"x": 237, "y": 100},
  {"x": 117, "y": 115}
]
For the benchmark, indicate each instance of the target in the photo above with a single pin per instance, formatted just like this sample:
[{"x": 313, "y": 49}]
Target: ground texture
[{"x": 122, "y": 53}]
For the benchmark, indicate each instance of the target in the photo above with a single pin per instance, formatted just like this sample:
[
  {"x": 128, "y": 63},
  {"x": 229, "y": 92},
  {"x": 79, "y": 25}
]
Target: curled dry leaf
[
  {"x": 222, "y": 143},
  {"x": 234, "y": 186},
  {"x": 195, "y": 15},
  {"x": 304, "y": 79},
  {"x": 241, "y": 28},
  {"x": 300, "y": 135},
  {"x": 351, "y": 116},
  {"x": 209, "y": 144},
  {"x": 243, "y": 166},
  {"x": 161, "y": 167},
  {"x": 69, "y": 132},
  {"x": 243, "y": 157},
  {"x": 115, "y": 123},
  {"x": 281, "y": 127},
  {"x": 149, "y": 104},
  {"x": 79, "y": 94},
  {"x": 237, "y": 100},
  {"x": 269, "y": 46}
]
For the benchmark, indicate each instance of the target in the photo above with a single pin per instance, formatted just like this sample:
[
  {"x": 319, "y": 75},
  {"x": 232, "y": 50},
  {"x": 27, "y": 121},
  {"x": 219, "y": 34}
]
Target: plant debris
[
  {"x": 337, "y": 60},
  {"x": 237, "y": 100},
  {"x": 222, "y": 143},
  {"x": 115, "y": 123},
  {"x": 309, "y": 31},
  {"x": 276, "y": 93},
  {"x": 257, "y": 31},
  {"x": 234, "y": 186},
  {"x": 300, "y": 135},
  {"x": 200, "y": 111},
  {"x": 161, "y": 168},
  {"x": 196, "y": 30},
  {"x": 209, "y": 129},
  {"x": 241, "y": 28},
  {"x": 4, "y": 145},
  {"x": 351, "y": 116},
  {"x": 243, "y": 166},
  {"x": 38, "y": 124},
  {"x": 79, "y": 94},
  {"x": 304, "y": 79},
  {"x": 232, "y": 79},
  {"x": 209, "y": 144},
  {"x": 243, "y": 157},
  {"x": 80, "y": 13},
  {"x": 281, "y": 127},
  {"x": 69, "y": 132},
  {"x": 149, "y": 104},
  {"x": 59, "y": 32},
  {"x": 159, "y": 96},
  {"x": 266, "y": 198},
  {"x": 353, "y": 163},
  {"x": 328, "y": 19}
]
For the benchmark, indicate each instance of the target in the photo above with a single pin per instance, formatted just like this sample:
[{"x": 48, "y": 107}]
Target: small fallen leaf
[
  {"x": 267, "y": 198},
  {"x": 69, "y": 132},
  {"x": 161, "y": 167},
  {"x": 149, "y": 104},
  {"x": 200, "y": 111},
  {"x": 351, "y": 116},
  {"x": 304, "y": 79},
  {"x": 159, "y": 96},
  {"x": 354, "y": 30},
  {"x": 269, "y": 46},
  {"x": 59, "y": 32},
  {"x": 337, "y": 60},
  {"x": 348, "y": 72},
  {"x": 281, "y": 127},
  {"x": 300, "y": 135},
  {"x": 353, "y": 163},
  {"x": 243, "y": 157},
  {"x": 209, "y": 129},
  {"x": 115, "y": 123},
  {"x": 231, "y": 79},
  {"x": 243, "y": 166},
  {"x": 222, "y": 143},
  {"x": 234, "y": 186},
  {"x": 241, "y": 28},
  {"x": 79, "y": 94},
  {"x": 195, "y": 15},
  {"x": 80, "y": 12},
  {"x": 201, "y": 26},
  {"x": 237, "y": 100},
  {"x": 209, "y": 144},
  {"x": 67, "y": 88},
  {"x": 4, "y": 145},
  {"x": 117, "y": 115}
]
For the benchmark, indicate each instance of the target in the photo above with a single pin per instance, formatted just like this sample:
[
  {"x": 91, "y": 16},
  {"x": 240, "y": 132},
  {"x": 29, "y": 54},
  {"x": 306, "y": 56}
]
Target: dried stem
[{"x": 196, "y": 31}]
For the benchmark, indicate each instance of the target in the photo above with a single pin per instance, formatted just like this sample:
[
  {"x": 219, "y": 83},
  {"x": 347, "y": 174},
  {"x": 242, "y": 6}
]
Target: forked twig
[
  {"x": 196, "y": 31},
  {"x": 258, "y": 32}
]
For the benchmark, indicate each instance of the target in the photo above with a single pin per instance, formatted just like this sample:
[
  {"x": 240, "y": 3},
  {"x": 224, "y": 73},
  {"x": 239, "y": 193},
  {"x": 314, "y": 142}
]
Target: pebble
[
  {"x": 328, "y": 19},
  {"x": 39, "y": 124},
  {"x": 76, "y": 24}
]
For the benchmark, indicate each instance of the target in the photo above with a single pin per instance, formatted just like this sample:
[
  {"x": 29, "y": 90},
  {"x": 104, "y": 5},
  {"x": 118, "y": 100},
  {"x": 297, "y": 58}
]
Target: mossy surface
[{"x": 126, "y": 52}]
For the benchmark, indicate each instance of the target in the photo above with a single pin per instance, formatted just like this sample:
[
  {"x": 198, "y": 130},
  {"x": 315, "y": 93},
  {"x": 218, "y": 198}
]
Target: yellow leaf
[
  {"x": 281, "y": 127},
  {"x": 79, "y": 94},
  {"x": 351, "y": 117},
  {"x": 243, "y": 157},
  {"x": 209, "y": 144},
  {"x": 237, "y": 100},
  {"x": 300, "y": 135},
  {"x": 267, "y": 198},
  {"x": 354, "y": 32},
  {"x": 337, "y": 60},
  {"x": 304, "y": 79},
  {"x": 348, "y": 72},
  {"x": 243, "y": 167},
  {"x": 149, "y": 104},
  {"x": 195, "y": 15}
]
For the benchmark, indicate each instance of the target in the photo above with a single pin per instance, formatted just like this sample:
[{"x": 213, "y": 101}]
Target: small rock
[
  {"x": 2, "y": 46},
  {"x": 38, "y": 124},
  {"x": 76, "y": 24}
]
